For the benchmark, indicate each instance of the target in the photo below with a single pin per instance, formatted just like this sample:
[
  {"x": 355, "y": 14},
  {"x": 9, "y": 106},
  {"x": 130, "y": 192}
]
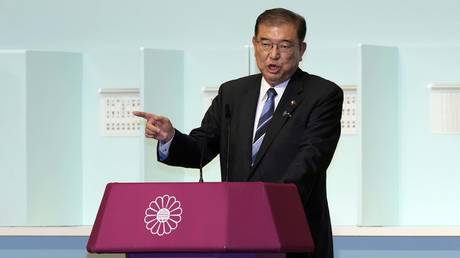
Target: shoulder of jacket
[
  {"x": 241, "y": 84},
  {"x": 321, "y": 84}
]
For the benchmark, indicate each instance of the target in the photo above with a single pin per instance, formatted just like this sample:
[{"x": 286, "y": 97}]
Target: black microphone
[
  {"x": 203, "y": 151},
  {"x": 228, "y": 117}
]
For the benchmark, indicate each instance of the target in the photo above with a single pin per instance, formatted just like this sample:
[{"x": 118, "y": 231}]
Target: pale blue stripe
[
  {"x": 256, "y": 147},
  {"x": 266, "y": 121}
]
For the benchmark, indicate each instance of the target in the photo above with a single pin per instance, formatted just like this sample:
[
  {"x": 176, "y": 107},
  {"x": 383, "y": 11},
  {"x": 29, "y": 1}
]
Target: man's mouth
[{"x": 272, "y": 68}]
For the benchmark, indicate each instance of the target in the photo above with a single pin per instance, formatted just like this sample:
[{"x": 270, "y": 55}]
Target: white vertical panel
[
  {"x": 13, "y": 147},
  {"x": 54, "y": 138},
  {"x": 380, "y": 135},
  {"x": 445, "y": 108}
]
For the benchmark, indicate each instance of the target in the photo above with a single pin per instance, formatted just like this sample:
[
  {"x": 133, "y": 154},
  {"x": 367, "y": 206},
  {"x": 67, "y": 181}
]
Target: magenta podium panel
[{"x": 200, "y": 218}]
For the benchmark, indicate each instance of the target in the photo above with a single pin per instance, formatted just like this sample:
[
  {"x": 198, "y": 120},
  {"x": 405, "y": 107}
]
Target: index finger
[{"x": 143, "y": 114}]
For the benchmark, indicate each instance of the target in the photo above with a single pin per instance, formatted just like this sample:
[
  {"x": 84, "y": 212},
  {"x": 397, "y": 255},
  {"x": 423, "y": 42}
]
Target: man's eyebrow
[{"x": 283, "y": 40}]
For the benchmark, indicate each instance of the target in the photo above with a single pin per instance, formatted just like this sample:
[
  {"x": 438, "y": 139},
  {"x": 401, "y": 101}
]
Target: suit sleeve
[
  {"x": 187, "y": 150},
  {"x": 317, "y": 144}
]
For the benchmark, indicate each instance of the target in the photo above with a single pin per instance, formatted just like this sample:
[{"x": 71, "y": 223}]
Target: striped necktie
[{"x": 264, "y": 122}]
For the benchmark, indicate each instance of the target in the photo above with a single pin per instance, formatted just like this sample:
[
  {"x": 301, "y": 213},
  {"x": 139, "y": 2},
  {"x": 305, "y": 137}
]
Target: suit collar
[{"x": 264, "y": 86}]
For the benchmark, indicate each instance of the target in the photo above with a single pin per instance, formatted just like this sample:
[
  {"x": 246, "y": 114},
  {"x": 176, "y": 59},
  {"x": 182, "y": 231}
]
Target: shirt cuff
[{"x": 163, "y": 149}]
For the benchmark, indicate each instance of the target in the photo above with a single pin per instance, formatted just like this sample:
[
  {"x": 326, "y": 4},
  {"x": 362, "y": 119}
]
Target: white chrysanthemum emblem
[{"x": 163, "y": 215}]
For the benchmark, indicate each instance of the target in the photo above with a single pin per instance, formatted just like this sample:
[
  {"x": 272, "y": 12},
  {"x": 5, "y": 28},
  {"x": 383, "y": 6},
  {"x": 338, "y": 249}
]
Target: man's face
[{"x": 277, "y": 51}]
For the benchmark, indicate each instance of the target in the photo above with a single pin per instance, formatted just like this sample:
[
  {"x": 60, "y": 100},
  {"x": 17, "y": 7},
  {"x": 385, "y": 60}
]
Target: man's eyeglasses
[{"x": 283, "y": 47}]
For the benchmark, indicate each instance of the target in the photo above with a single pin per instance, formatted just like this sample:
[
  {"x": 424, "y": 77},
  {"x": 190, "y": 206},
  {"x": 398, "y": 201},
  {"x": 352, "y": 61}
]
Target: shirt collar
[{"x": 264, "y": 86}]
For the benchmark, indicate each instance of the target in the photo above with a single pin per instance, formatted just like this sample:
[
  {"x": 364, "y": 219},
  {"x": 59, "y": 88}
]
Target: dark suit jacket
[{"x": 297, "y": 147}]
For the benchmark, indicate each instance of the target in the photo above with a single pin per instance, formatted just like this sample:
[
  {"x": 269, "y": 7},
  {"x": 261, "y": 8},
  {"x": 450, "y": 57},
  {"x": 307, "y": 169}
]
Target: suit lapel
[
  {"x": 291, "y": 99},
  {"x": 248, "y": 104}
]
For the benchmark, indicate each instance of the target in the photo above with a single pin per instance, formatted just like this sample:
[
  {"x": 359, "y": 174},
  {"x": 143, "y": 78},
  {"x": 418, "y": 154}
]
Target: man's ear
[
  {"x": 303, "y": 48},
  {"x": 254, "y": 41}
]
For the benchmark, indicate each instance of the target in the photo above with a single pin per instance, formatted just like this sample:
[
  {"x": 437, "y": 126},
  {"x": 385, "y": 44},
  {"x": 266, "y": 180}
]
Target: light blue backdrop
[{"x": 213, "y": 36}]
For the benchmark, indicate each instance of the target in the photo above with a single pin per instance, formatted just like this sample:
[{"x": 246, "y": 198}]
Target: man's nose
[{"x": 274, "y": 52}]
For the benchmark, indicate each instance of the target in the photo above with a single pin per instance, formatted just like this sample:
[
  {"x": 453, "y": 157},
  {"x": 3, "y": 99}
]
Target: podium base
[{"x": 205, "y": 255}]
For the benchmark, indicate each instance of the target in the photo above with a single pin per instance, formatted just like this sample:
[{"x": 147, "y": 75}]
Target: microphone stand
[
  {"x": 203, "y": 152},
  {"x": 228, "y": 118}
]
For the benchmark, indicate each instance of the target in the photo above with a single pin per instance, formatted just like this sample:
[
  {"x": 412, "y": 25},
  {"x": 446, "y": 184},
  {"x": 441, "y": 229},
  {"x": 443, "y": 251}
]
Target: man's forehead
[
  {"x": 282, "y": 32},
  {"x": 284, "y": 25}
]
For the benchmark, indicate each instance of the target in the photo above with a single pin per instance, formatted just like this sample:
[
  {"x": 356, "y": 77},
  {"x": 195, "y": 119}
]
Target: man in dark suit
[{"x": 284, "y": 124}]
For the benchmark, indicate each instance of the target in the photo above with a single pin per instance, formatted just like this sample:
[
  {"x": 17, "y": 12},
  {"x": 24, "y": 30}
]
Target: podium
[{"x": 248, "y": 219}]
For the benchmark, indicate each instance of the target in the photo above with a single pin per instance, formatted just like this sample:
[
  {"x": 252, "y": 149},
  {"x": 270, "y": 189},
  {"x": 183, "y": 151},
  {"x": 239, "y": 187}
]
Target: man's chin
[{"x": 272, "y": 79}]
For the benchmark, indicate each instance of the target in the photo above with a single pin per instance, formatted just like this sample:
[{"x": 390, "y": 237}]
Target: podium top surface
[{"x": 200, "y": 217}]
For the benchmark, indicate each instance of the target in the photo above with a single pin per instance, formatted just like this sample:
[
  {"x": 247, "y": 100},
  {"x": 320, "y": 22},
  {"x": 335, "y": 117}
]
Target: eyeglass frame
[{"x": 269, "y": 46}]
